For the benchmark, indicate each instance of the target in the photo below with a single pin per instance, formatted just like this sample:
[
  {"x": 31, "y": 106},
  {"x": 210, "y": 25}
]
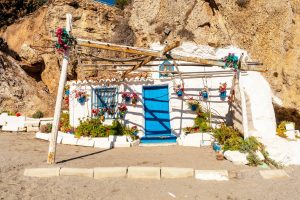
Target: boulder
[
  {"x": 236, "y": 157},
  {"x": 29, "y": 55}
]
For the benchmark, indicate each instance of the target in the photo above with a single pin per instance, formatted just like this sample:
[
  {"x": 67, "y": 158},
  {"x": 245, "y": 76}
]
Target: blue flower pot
[
  {"x": 223, "y": 95},
  {"x": 179, "y": 93},
  {"x": 67, "y": 92},
  {"x": 81, "y": 100},
  {"x": 127, "y": 99},
  {"x": 194, "y": 107},
  {"x": 205, "y": 95},
  {"x": 216, "y": 147}
]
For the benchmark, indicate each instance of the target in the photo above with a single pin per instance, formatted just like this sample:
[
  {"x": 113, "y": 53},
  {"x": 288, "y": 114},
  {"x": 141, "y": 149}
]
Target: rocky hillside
[{"x": 268, "y": 30}]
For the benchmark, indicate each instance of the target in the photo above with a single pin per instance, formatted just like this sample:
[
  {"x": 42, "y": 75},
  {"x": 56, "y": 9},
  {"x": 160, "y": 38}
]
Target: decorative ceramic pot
[
  {"x": 223, "y": 95},
  {"x": 205, "y": 95},
  {"x": 134, "y": 101},
  {"x": 127, "y": 99},
  {"x": 179, "y": 93},
  {"x": 194, "y": 107},
  {"x": 216, "y": 147},
  {"x": 81, "y": 100}
]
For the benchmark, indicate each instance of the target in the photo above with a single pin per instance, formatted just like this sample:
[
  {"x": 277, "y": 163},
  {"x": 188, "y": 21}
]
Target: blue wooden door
[{"x": 157, "y": 116}]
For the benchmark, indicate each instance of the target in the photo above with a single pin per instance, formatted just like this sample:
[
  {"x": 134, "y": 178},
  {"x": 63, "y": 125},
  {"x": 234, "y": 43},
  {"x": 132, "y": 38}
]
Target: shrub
[
  {"x": 64, "y": 123},
  {"x": 47, "y": 128},
  {"x": 116, "y": 128},
  {"x": 93, "y": 127},
  {"x": 38, "y": 114},
  {"x": 253, "y": 159},
  {"x": 250, "y": 144},
  {"x": 89, "y": 127},
  {"x": 233, "y": 143},
  {"x": 224, "y": 133}
]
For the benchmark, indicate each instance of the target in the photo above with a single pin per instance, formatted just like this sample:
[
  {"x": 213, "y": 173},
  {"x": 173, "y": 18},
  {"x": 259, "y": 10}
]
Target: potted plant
[
  {"x": 179, "y": 90},
  {"x": 222, "y": 90},
  {"x": 193, "y": 104},
  {"x": 81, "y": 96},
  {"x": 126, "y": 96},
  {"x": 204, "y": 93},
  {"x": 122, "y": 110},
  {"x": 134, "y": 98}
]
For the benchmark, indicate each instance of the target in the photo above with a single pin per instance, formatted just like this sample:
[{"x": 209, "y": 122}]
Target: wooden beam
[
  {"x": 167, "y": 48},
  {"x": 120, "y": 48}
]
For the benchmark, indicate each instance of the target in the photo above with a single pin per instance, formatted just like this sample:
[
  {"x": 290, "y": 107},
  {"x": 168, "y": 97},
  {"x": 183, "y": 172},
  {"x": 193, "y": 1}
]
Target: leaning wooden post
[{"x": 59, "y": 99}]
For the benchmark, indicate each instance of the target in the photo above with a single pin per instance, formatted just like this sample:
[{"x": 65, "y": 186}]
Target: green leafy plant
[
  {"x": 253, "y": 159},
  {"x": 250, "y": 144},
  {"x": 64, "y": 123},
  {"x": 233, "y": 144},
  {"x": 38, "y": 114},
  {"x": 224, "y": 133},
  {"x": 90, "y": 127}
]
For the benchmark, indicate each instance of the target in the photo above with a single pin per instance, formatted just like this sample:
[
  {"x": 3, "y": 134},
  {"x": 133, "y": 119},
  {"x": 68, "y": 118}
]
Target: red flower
[
  {"x": 18, "y": 114},
  {"x": 122, "y": 108},
  {"x": 134, "y": 95},
  {"x": 125, "y": 94}
]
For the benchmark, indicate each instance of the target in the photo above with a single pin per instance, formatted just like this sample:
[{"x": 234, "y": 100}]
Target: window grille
[{"x": 105, "y": 98}]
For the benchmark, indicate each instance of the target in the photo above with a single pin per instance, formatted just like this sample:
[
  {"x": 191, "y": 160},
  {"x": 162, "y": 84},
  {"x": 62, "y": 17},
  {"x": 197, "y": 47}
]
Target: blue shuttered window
[{"x": 105, "y": 98}]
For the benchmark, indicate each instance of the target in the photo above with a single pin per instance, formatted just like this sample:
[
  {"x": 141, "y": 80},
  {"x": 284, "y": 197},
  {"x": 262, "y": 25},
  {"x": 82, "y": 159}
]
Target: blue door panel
[{"x": 157, "y": 116}]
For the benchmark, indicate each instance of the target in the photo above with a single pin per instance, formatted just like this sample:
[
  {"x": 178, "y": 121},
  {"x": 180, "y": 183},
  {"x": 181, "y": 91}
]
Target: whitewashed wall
[{"x": 180, "y": 115}]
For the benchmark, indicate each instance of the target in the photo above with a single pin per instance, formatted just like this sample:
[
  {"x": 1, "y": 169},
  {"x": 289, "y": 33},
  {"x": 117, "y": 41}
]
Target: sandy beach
[{"x": 20, "y": 151}]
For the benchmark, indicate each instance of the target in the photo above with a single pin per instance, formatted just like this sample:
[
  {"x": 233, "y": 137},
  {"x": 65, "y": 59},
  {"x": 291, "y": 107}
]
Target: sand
[{"x": 20, "y": 151}]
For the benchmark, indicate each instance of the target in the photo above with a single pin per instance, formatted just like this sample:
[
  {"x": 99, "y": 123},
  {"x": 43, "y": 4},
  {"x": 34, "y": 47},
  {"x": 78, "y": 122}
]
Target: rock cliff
[{"x": 268, "y": 30}]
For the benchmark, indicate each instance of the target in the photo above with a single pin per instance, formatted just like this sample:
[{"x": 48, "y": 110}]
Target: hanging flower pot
[
  {"x": 81, "y": 96},
  {"x": 122, "y": 110},
  {"x": 81, "y": 100},
  {"x": 223, "y": 92},
  {"x": 179, "y": 90},
  {"x": 193, "y": 104},
  {"x": 179, "y": 93},
  {"x": 134, "y": 98},
  {"x": 126, "y": 97},
  {"x": 193, "y": 107}
]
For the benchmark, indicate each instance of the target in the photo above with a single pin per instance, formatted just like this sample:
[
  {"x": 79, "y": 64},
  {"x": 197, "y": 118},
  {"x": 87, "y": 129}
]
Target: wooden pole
[
  {"x": 115, "y": 47},
  {"x": 59, "y": 98}
]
